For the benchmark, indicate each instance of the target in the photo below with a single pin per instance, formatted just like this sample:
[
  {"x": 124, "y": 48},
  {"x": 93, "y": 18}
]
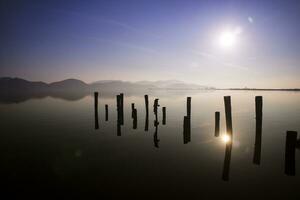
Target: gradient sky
[{"x": 152, "y": 40}]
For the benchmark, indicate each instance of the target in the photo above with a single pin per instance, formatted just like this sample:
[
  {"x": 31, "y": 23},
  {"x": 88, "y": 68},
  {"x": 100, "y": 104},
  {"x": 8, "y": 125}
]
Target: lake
[{"x": 50, "y": 147}]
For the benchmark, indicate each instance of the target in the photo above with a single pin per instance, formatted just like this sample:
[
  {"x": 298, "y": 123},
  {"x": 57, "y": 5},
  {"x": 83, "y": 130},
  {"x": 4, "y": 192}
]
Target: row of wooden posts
[{"x": 291, "y": 136}]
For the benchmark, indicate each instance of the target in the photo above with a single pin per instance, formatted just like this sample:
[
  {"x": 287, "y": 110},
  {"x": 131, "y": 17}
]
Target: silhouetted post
[
  {"x": 290, "y": 148},
  {"x": 164, "y": 115},
  {"x": 119, "y": 107},
  {"x": 188, "y": 106},
  {"x": 119, "y": 115},
  {"x": 155, "y": 108},
  {"x": 134, "y": 116},
  {"x": 122, "y": 108},
  {"x": 258, "y": 135},
  {"x": 106, "y": 112},
  {"x": 147, "y": 104},
  {"x": 217, "y": 124},
  {"x": 228, "y": 116},
  {"x": 132, "y": 109},
  {"x": 96, "y": 110},
  {"x": 147, "y": 113}
]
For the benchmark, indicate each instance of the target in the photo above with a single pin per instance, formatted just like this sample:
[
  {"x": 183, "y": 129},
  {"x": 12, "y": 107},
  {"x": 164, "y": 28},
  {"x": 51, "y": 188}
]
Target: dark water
[{"x": 49, "y": 147}]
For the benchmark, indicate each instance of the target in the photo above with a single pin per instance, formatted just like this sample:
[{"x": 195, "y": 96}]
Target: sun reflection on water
[{"x": 225, "y": 138}]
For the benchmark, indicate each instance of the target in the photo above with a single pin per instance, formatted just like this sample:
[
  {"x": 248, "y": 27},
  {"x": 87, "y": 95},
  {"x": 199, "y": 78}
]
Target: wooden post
[
  {"x": 258, "y": 134},
  {"x": 228, "y": 116},
  {"x": 290, "y": 148},
  {"x": 122, "y": 108},
  {"x": 188, "y": 106},
  {"x": 147, "y": 104},
  {"x": 132, "y": 109},
  {"x": 119, "y": 115},
  {"x": 106, "y": 112},
  {"x": 155, "y": 108},
  {"x": 164, "y": 115},
  {"x": 217, "y": 124},
  {"x": 147, "y": 112},
  {"x": 96, "y": 110}
]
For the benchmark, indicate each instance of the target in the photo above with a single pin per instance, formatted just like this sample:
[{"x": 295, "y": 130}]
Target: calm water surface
[{"x": 49, "y": 146}]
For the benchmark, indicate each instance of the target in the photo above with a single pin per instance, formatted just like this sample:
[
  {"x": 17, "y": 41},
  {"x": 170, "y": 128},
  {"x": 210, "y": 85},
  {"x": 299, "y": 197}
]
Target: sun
[{"x": 228, "y": 38}]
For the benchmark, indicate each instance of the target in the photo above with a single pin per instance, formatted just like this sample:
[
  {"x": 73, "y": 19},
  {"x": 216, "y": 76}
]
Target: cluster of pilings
[{"x": 291, "y": 136}]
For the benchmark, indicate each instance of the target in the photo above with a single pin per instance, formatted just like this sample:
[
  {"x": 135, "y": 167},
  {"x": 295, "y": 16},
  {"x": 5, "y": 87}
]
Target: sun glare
[{"x": 228, "y": 38}]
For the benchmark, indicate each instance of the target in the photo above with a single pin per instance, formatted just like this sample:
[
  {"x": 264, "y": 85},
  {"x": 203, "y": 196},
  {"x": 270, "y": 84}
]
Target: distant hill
[
  {"x": 14, "y": 90},
  {"x": 8, "y": 83},
  {"x": 17, "y": 84},
  {"x": 69, "y": 84}
]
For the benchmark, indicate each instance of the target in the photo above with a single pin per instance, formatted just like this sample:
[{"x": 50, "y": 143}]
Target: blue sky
[{"x": 152, "y": 40}]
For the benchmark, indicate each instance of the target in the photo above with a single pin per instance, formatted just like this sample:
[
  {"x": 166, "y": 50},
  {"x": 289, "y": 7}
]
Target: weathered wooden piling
[
  {"x": 96, "y": 110},
  {"x": 258, "y": 134},
  {"x": 122, "y": 108},
  {"x": 188, "y": 106},
  {"x": 164, "y": 115},
  {"x": 147, "y": 112},
  {"x": 146, "y": 103},
  {"x": 106, "y": 112},
  {"x": 217, "y": 124},
  {"x": 119, "y": 118},
  {"x": 132, "y": 109},
  {"x": 228, "y": 115},
  {"x": 290, "y": 148},
  {"x": 155, "y": 109}
]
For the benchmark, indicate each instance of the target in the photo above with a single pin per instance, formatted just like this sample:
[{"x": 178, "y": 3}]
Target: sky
[{"x": 136, "y": 40}]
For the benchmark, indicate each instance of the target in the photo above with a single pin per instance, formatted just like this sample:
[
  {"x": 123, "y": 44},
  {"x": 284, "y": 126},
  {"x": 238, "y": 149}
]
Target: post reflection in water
[
  {"x": 258, "y": 135},
  {"x": 226, "y": 167},
  {"x": 186, "y": 130}
]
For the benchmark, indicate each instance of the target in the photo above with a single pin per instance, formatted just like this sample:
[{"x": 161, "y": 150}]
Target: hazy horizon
[{"x": 221, "y": 44}]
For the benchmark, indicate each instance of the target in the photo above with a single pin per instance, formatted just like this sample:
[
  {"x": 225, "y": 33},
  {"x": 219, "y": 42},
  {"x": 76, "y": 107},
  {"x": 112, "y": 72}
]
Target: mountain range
[{"x": 15, "y": 84}]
